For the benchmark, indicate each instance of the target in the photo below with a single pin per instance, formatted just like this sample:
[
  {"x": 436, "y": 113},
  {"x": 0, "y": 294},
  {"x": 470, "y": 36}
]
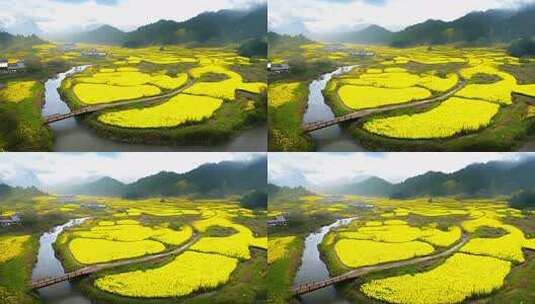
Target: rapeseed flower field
[
  {"x": 452, "y": 117},
  {"x": 17, "y": 91},
  {"x": 460, "y": 277},
  {"x": 178, "y": 110},
  {"x": 11, "y": 246},
  {"x": 186, "y": 274}
]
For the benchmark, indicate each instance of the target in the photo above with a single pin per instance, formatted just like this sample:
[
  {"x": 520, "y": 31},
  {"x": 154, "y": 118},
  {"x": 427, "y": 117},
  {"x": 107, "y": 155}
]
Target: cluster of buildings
[
  {"x": 94, "y": 53},
  {"x": 278, "y": 68},
  {"x": 278, "y": 221},
  {"x": 6, "y": 67},
  {"x": 7, "y": 221}
]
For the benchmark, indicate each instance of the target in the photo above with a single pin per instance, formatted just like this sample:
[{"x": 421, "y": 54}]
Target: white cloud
[
  {"x": 324, "y": 16},
  {"x": 55, "y": 168},
  {"x": 320, "y": 169},
  {"x": 55, "y": 16}
]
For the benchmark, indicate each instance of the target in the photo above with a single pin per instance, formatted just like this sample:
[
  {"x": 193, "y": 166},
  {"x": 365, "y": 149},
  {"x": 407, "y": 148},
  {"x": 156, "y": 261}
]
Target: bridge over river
[
  {"x": 314, "y": 126},
  {"x": 312, "y": 286},
  {"x": 40, "y": 283},
  {"x": 95, "y": 108}
]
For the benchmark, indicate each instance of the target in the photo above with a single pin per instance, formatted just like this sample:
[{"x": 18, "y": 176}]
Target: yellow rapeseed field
[
  {"x": 17, "y": 91},
  {"x": 188, "y": 273},
  {"x": 460, "y": 277},
  {"x": 178, "y": 110},
  {"x": 358, "y": 253},
  {"x": 11, "y": 246},
  {"x": 281, "y": 93},
  {"x": 364, "y": 97},
  {"x": 278, "y": 247},
  {"x": 453, "y": 116},
  {"x": 94, "y": 93},
  {"x": 92, "y": 251}
]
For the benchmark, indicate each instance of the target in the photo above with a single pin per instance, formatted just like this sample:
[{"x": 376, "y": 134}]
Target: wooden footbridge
[
  {"x": 314, "y": 126},
  {"x": 40, "y": 283},
  {"x": 312, "y": 286},
  {"x": 90, "y": 109}
]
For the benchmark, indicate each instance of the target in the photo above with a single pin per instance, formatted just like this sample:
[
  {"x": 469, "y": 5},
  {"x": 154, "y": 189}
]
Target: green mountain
[
  {"x": 474, "y": 28},
  {"x": 276, "y": 192},
  {"x": 488, "y": 179},
  {"x": 7, "y": 191},
  {"x": 373, "y": 186},
  {"x": 105, "y": 186},
  {"x": 209, "y": 180},
  {"x": 11, "y": 41},
  {"x": 372, "y": 34},
  {"x": 477, "y": 27},
  {"x": 105, "y": 34},
  {"x": 210, "y": 27}
]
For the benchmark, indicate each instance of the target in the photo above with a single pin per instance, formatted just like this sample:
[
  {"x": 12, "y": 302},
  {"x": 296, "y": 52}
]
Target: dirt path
[
  {"x": 314, "y": 126},
  {"x": 90, "y": 109},
  {"x": 309, "y": 287}
]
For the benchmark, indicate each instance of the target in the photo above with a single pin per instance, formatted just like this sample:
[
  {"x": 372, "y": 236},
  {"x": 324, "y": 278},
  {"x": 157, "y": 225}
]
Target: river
[
  {"x": 313, "y": 269},
  {"x": 331, "y": 139},
  {"x": 72, "y": 136},
  {"x": 48, "y": 265}
]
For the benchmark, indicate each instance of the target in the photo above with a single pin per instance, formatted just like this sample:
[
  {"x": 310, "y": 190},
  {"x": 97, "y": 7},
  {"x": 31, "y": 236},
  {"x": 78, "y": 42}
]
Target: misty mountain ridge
[
  {"x": 480, "y": 179},
  {"x": 217, "y": 179},
  {"x": 209, "y": 27},
  {"x": 478, "y": 27}
]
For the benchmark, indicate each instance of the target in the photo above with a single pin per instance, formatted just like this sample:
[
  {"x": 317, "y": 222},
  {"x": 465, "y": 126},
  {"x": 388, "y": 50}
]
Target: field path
[
  {"x": 99, "y": 267},
  {"x": 309, "y": 287},
  {"x": 95, "y": 108},
  {"x": 314, "y": 126}
]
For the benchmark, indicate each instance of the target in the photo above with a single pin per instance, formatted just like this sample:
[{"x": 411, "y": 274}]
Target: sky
[
  {"x": 317, "y": 170},
  {"x": 333, "y": 15},
  {"x": 52, "y": 16},
  {"x": 49, "y": 169}
]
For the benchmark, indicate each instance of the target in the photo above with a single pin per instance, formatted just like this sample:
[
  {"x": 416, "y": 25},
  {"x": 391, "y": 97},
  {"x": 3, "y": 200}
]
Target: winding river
[
  {"x": 72, "y": 136},
  {"x": 331, "y": 139},
  {"x": 313, "y": 269},
  {"x": 48, "y": 265}
]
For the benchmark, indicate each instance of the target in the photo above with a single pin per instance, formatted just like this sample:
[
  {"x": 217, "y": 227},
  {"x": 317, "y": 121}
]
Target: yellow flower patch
[
  {"x": 188, "y": 273},
  {"x": 364, "y": 97},
  {"x": 178, "y": 110},
  {"x": 358, "y": 253},
  {"x": 90, "y": 93},
  {"x": 460, "y": 277},
  {"x": 454, "y": 116},
  {"x": 278, "y": 246},
  {"x": 11, "y": 246},
  {"x": 17, "y": 91},
  {"x": 92, "y": 251}
]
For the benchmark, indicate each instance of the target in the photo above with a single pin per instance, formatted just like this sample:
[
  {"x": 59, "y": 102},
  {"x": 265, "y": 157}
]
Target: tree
[
  {"x": 255, "y": 199},
  {"x": 523, "y": 199},
  {"x": 522, "y": 47}
]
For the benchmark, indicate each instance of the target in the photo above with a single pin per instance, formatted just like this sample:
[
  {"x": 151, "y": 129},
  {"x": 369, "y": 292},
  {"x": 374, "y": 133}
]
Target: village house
[
  {"x": 3, "y": 65},
  {"x": 363, "y": 53},
  {"x": 6, "y": 221},
  {"x": 278, "y": 68},
  {"x": 278, "y": 221},
  {"x": 93, "y": 206},
  {"x": 93, "y": 53}
]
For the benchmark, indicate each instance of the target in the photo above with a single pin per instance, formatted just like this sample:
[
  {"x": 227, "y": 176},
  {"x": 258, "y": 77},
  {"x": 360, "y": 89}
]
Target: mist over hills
[
  {"x": 214, "y": 179},
  {"x": 209, "y": 27},
  {"x": 481, "y": 179},
  {"x": 474, "y": 28}
]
